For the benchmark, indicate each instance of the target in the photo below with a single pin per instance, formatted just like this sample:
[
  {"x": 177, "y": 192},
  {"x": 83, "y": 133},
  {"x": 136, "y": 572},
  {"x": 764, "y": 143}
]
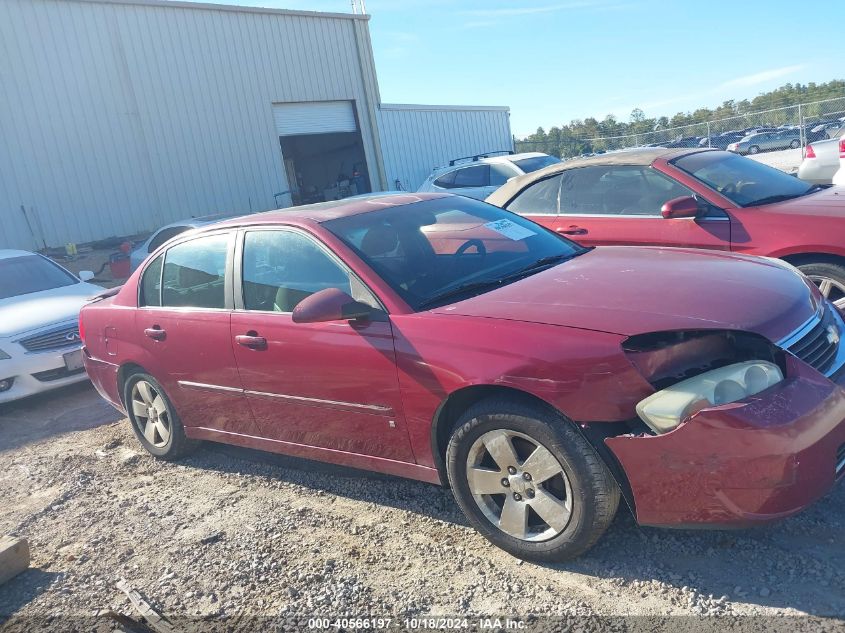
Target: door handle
[
  {"x": 155, "y": 333},
  {"x": 251, "y": 340},
  {"x": 571, "y": 230}
]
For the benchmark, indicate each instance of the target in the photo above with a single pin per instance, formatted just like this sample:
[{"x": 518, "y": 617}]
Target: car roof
[
  {"x": 8, "y": 253},
  {"x": 200, "y": 220},
  {"x": 320, "y": 212},
  {"x": 504, "y": 158},
  {"x": 640, "y": 156}
]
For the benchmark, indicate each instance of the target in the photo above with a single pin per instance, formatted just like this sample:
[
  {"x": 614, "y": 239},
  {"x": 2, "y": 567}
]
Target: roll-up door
[{"x": 314, "y": 117}]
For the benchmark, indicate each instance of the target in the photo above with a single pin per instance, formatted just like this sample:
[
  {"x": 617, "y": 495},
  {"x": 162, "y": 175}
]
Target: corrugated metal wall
[
  {"x": 417, "y": 138},
  {"x": 117, "y": 117}
]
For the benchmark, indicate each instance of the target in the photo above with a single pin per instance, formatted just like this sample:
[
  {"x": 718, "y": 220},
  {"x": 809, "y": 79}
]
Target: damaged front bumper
[{"x": 736, "y": 465}]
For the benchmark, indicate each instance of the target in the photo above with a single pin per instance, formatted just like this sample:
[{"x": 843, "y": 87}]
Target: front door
[
  {"x": 329, "y": 385},
  {"x": 184, "y": 322}
]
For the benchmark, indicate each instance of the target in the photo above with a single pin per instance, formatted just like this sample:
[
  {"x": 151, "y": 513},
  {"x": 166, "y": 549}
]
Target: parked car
[
  {"x": 159, "y": 237},
  {"x": 479, "y": 176},
  {"x": 721, "y": 141},
  {"x": 821, "y": 161},
  {"x": 766, "y": 141},
  {"x": 684, "y": 141},
  {"x": 441, "y": 338},
  {"x": 839, "y": 176},
  {"x": 40, "y": 348},
  {"x": 694, "y": 198}
]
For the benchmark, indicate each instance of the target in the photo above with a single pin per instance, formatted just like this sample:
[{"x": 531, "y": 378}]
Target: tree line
[{"x": 575, "y": 138}]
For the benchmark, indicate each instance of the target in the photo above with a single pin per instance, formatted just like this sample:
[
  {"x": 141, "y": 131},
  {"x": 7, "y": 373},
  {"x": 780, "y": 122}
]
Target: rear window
[
  {"x": 535, "y": 162},
  {"x": 31, "y": 273}
]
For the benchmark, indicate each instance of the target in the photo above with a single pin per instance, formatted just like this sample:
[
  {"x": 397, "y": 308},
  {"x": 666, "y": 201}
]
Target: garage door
[{"x": 314, "y": 117}]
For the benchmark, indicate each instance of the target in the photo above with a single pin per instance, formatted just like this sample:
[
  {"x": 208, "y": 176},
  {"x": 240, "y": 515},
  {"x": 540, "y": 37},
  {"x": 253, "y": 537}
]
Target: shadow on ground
[
  {"x": 74, "y": 408},
  {"x": 23, "y": 589}
]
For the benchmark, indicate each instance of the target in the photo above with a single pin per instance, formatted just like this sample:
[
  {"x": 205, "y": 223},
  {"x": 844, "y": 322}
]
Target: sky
[{"x": 553, "y": 61}]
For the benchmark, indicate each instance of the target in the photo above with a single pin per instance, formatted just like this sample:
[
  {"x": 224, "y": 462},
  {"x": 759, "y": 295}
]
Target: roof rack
[{"x": 478, "y": 156}]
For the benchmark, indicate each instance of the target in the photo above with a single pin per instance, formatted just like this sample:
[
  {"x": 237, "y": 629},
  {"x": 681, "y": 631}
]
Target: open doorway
[{"x": 327, "y": 166}]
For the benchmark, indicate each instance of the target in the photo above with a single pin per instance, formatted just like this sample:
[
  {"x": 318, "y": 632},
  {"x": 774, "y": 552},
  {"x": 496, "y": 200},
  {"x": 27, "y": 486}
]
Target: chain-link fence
[{"x": 790, "y": 127}]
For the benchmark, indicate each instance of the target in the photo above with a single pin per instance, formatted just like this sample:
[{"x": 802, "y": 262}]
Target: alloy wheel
[
  {"x": 151, "y": 415},
  {"x": 519, "y": 485},
  {"x": 832, "y": 290}
]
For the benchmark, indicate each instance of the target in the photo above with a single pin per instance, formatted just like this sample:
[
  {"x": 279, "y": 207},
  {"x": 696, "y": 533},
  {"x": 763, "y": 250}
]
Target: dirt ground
[{"x": 228, "y": 535}]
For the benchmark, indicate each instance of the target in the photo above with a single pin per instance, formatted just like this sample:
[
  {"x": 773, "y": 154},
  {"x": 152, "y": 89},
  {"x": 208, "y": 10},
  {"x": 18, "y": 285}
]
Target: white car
[
  {"x": 479, "y": 176},
  {"x": 40, "y": 347},
  {"x": 839, "y": 176}
]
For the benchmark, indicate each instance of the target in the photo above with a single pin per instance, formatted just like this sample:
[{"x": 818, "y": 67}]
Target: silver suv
[{"x": 479, "y": 176}]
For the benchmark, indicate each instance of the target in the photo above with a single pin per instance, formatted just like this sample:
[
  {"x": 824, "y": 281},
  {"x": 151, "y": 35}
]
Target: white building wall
[
  {"x": 417, "y": 138},
  {"x": 117, "y": 116}
]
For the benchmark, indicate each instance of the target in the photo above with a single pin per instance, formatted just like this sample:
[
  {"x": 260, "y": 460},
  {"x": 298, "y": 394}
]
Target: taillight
[
  {"x": 811, "y": 153},
  {"x": 842, "y": 147}
]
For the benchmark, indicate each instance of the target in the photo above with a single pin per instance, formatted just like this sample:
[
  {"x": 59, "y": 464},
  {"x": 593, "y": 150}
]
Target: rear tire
[
  {"x": 830, "y": 279},
  {"x": 545, "y": 496},
  {"x": 753, "y": 150},
  {"x": 154, "y": 419},
  {"x": 795, "y": 144}
]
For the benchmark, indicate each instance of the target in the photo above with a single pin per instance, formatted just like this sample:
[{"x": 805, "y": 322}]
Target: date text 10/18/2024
[{"x": 422, "y": 623}]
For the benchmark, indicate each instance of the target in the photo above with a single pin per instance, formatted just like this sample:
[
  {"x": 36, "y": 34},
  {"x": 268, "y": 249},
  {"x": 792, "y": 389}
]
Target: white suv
[{"x": 479, "y": 176}]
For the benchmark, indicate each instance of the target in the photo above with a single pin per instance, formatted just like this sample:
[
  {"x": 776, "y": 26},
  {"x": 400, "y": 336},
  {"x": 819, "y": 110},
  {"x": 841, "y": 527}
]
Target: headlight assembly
[{"x": 666, "y": 409}]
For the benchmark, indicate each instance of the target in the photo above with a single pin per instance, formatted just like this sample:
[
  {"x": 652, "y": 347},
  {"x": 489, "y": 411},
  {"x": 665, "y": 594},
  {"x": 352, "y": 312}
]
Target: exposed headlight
[
  {"x": 666, "y": 409},
  {"x": 4, "y": 355}
]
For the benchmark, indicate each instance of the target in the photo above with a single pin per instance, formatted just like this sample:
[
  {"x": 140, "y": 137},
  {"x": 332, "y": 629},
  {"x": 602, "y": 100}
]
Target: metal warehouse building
[{"x": 118, "y": 116}]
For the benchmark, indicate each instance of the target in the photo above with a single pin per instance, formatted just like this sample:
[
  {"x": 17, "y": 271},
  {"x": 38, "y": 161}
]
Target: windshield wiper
[
  {"x": 772, "y": 199},
  {"x": 543, "y": 262}
]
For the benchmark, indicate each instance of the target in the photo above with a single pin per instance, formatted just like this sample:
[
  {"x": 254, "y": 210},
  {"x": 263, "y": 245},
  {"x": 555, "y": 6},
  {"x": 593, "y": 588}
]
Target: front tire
[
  {"x": 794, "y": 144},
  {"x": 830, "y": 279},
  {"x": 528, "y": 481},
  {"x": 154, "y": 419}
]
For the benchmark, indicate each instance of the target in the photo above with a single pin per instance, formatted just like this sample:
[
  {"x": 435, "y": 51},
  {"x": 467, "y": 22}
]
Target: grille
[
  {"x": 67, "y": 336},
  {"x": 840, "y": 461},
  {"x": 56, "y": 374},
  {"x": 817, "y": 347}
]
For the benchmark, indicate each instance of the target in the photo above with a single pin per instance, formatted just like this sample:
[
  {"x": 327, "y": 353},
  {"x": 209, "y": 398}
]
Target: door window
[
  {"x": 500, "y": 174},
  {"x": 151, "y": 284},
  {"x": 195, "y": 272},
  {"x": 475, "y": 176},
  {"x": 541, "y": 198},
  {"x": 617, "y": 190},
  {"x": 281, "y": 268}
]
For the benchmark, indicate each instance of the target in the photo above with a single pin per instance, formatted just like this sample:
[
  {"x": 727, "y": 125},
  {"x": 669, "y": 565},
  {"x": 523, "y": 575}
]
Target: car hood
[
  {"x": 25, "y": 313},
  {"x": 634, "y": 290},
  {"x": 827, "y": 203}
]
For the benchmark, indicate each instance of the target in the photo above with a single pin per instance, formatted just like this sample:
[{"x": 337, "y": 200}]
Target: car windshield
[
  {"x": 535, "y": 162},
  {"x": 438, "y": 251},
  {"x": 742, "y": 180},
  {"x": 31, "y": 273}
]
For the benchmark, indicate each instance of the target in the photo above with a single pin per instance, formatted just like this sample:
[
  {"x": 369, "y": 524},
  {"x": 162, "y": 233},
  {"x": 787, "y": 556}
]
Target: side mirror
[
  {"x": 683, "y": 207},
  {"x": 86, "y": 275},
  {"x": 330, "y": 304}
]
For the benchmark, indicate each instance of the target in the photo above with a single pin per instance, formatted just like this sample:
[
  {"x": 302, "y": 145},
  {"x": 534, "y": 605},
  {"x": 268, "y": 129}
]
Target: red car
[
  {"x": 690, "y": 198},
  {"x": 443, "y": 339}
]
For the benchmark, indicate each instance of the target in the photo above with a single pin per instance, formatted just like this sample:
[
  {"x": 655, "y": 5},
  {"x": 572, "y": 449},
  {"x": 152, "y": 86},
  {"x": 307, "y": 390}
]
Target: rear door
[
  {"x": 183, "y": 325},
  {"x": 330, "y": 385},
  {"x": 473, "y": 182}
]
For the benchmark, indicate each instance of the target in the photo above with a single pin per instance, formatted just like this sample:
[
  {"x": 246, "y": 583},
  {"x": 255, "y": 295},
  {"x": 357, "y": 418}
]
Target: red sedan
[
  {"x": 690, "y": 198},
  {"x": 443, "y": 339}
]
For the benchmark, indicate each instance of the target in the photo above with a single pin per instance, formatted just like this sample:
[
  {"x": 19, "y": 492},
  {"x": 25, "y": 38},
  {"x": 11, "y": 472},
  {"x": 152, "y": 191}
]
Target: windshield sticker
[{"x": 509, "y": 229}]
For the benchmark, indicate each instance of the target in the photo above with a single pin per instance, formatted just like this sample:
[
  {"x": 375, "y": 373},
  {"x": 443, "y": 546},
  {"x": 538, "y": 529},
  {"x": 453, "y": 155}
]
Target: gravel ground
[
  {"x": 237, "y": 534},
  {"x": 787, "y": 160}
]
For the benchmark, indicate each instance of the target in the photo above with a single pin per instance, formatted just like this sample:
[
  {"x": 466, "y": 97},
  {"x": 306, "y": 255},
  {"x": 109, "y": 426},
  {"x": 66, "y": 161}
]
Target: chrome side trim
[
  {"x": 207, "y": 387},
  {"x": 320, "y": 402}
]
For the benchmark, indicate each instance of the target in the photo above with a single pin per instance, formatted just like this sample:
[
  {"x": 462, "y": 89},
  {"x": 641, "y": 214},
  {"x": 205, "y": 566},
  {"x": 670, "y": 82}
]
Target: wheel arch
[
  {"x": 796, "y": 259},
  {"x": 123, "y": 373}
]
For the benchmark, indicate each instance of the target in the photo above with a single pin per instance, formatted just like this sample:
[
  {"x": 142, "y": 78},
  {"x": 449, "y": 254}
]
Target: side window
[
  {"x": 165, "y": 234},
  {"x": 281, "y": 268},
  {"x": 538, "y": 199},
  {"x": 195, "y": 272},
  {"x": 617, "y": 190},
  {"x": 475, "y": 176},
  {"x": 500, "y": 174},
  {"x": 447, "y": 181},
  {"x": 151, "y": 283}
]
